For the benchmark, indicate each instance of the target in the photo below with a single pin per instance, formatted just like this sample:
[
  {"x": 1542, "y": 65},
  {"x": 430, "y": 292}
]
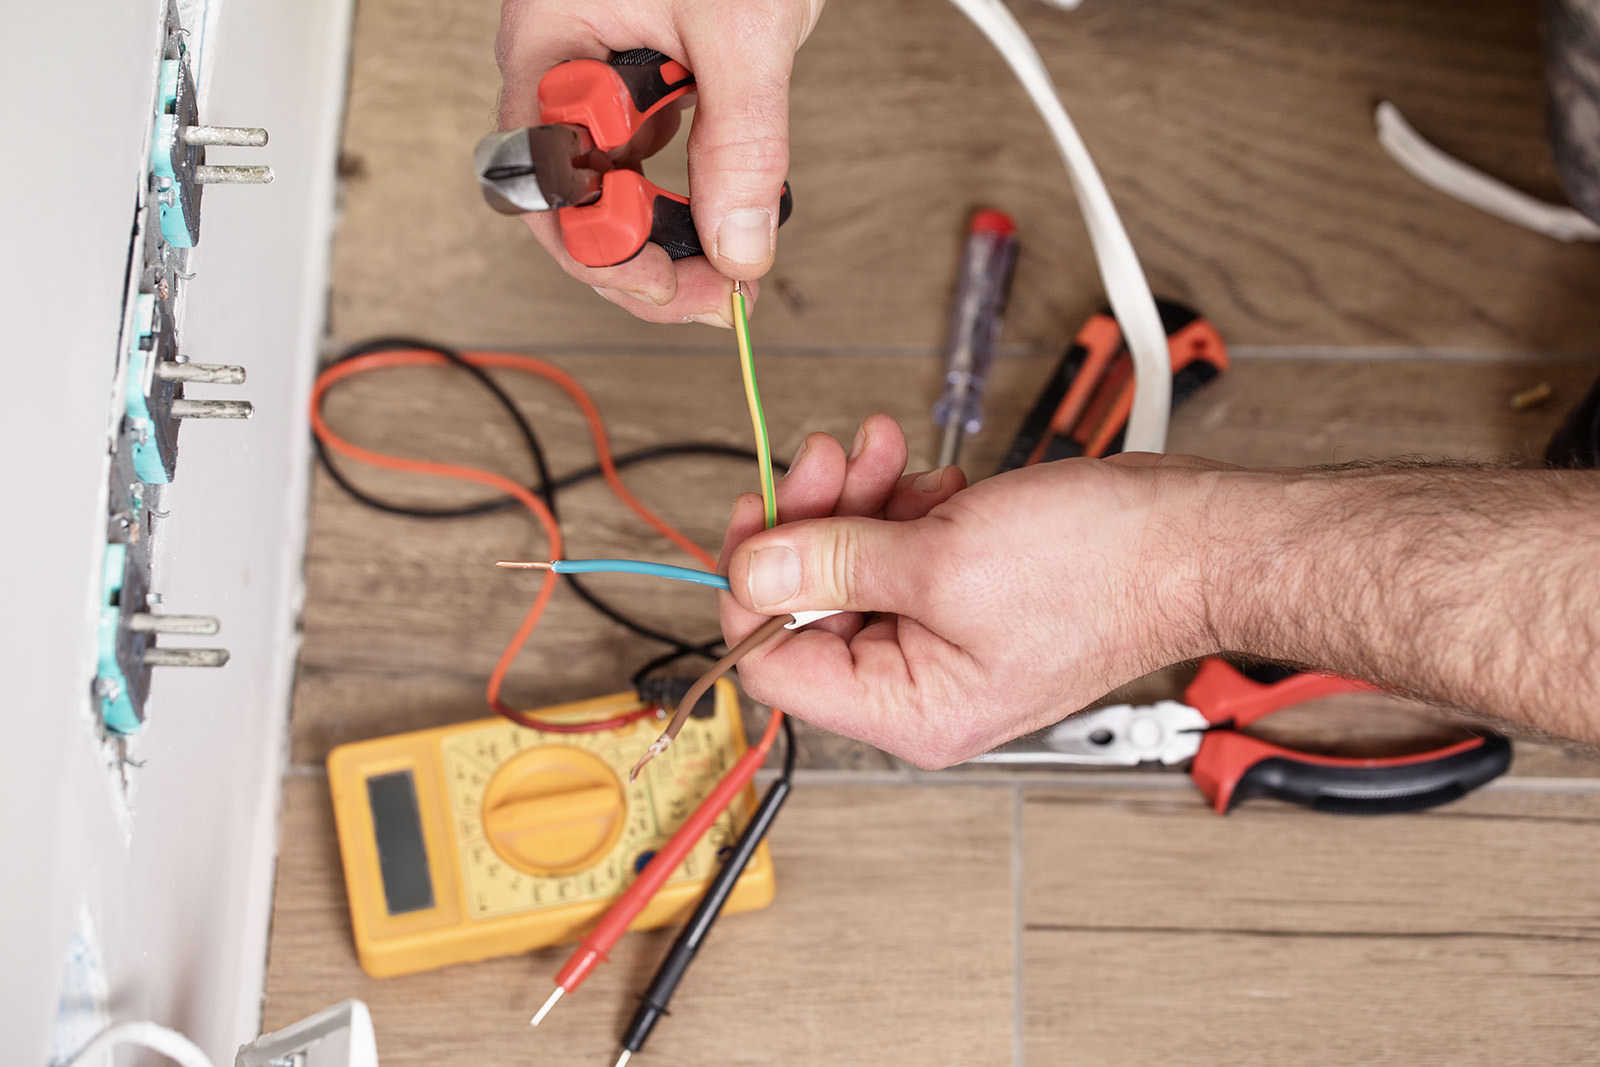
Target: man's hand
[
  {"x": 741, "y": 53},
  {"x": 998, "y": 609},
  {"x": 988, "y": 611}
]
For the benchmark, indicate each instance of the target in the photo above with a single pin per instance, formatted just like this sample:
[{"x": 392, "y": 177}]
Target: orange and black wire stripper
[
  {"x": 589, "y": 108},
  {"x": 1083, "y": 409}
]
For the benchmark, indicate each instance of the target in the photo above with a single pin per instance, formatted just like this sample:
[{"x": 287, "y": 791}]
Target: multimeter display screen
[{"x": 402, "y": 857}]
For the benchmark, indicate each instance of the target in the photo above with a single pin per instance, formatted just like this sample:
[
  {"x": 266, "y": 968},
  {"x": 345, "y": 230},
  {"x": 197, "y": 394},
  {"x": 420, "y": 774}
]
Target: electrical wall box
[
  {"x": 487, "y": 838},
  {"x": 149, "y": 399}
]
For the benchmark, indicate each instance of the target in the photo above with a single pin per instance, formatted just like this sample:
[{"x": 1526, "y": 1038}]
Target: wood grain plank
[
  {"x": 871, "y": 882},
  {"x": 1237, "y": 140},
  {"x": 1158, "y": 932}
]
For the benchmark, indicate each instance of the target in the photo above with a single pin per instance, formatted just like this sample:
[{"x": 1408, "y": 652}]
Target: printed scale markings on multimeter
[
  {"x": 497, "y": 885},
  {"x": 487, "y": 838}
]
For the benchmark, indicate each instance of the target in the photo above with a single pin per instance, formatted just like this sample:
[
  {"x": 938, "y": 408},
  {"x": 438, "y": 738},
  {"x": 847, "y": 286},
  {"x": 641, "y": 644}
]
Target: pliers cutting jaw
[
  {"x": 1206, "y": 731},
  {"x": 538, "y": 168},
  {"x": 590, "y": 108},
  {"x": 1118, "y": 735}
]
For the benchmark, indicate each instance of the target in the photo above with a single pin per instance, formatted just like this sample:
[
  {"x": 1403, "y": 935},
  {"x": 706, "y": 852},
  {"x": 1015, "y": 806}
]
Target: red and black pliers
[
  {"x": 591, "y": 107},
  {"x": 1228, "y": 765}
]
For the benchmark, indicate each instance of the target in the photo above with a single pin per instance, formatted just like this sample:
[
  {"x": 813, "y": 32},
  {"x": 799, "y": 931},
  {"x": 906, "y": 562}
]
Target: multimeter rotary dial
[{"x": 554, "y": 810}]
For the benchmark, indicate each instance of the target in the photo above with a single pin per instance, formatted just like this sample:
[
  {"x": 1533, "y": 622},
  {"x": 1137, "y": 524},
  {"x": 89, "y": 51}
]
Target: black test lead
[{"x": 653, "y": 1001}]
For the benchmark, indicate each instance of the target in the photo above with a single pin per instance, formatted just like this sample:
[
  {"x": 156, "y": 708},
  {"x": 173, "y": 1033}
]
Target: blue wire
[{"x": 639, "y": 566}]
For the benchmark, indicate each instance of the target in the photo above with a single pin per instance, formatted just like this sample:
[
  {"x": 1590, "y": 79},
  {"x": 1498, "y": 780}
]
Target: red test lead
[{"x": 614, "y": 923}]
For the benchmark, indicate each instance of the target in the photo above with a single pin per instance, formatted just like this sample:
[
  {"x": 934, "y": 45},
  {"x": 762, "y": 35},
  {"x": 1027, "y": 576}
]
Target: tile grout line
[
  {"x": 1443, "y": 354},
  {"x": 1017, "y": 1012},
  {"x": 1064, "y": 781}
]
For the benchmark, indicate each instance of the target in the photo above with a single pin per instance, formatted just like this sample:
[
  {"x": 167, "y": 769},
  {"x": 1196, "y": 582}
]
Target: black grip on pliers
[{"x": 1388, "y": 787}]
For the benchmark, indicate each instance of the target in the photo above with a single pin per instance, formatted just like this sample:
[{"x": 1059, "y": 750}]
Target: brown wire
[{"x": 759, "y": 636}]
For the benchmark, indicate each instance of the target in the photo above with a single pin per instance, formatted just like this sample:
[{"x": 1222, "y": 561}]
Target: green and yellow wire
[{"x": 758, "y": 418}]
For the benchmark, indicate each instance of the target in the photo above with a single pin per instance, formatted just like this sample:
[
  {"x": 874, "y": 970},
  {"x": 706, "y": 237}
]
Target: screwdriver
[{"x": 986, "y": 263}]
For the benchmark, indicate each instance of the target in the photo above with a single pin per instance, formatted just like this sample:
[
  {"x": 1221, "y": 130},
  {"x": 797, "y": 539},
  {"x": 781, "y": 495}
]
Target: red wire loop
[
  {"x": 614, "y": 923},
  {"x": 602, "y": 447}
]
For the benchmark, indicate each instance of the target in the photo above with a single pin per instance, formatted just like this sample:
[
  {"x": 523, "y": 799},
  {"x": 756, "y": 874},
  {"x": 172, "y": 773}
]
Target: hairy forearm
[{"x": 1473, "y": 588}]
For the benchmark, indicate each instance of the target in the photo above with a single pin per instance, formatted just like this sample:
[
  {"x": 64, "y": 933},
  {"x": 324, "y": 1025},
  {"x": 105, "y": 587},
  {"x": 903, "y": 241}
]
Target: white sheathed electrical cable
[
  {"x": 169, "y": 1043},
  {"x": 1126, "y": 287},
  {"x": 1432, "y": 166}
]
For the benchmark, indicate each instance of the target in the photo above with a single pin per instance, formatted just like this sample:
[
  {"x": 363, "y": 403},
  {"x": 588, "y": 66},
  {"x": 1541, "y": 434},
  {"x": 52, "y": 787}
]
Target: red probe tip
[{"x": 989, "y": 220}]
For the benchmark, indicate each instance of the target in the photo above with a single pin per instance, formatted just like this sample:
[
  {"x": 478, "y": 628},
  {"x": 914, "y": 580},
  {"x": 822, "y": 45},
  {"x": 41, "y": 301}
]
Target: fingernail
[
  {"x": 929, "y": 482},
  {"x": 794, "y": 461},
  {"x": 774, "y": 576},
  {"x": 859, "y": 443},
  {"x": 711, "y": 318},
  {"x": 745, "y": 235},
  {"x": 608, "y": 295}
]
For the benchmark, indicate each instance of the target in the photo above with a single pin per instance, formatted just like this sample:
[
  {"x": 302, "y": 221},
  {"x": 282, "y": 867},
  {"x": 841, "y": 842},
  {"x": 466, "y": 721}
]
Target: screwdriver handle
[{"x": 985, "y": 276}]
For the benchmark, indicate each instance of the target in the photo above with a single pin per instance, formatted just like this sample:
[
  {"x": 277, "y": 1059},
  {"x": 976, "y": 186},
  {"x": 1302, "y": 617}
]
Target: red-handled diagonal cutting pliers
[
  {"x": 591, "y": 107},
  {"x": 1229, "y": 765}
]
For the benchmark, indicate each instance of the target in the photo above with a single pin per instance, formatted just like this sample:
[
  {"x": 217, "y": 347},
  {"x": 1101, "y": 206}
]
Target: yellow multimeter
[{"x": 487, "y": 838}]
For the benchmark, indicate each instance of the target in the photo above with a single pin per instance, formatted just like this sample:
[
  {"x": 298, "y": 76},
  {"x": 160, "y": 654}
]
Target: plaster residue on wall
[{"x": 81, "y": 1003}]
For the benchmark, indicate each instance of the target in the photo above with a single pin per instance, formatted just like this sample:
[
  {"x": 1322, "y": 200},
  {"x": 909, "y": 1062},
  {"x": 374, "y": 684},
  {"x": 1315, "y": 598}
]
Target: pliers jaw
[
  {"x": 1227, "y": 764},
  {"x": 538, "y": 168},
  {"x": 591, "y": 108},
  {"x": 1117, "y": 735}
]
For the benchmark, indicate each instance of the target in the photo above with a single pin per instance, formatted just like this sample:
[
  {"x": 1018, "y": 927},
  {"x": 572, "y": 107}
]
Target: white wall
[{"x": 176, "y": 873}]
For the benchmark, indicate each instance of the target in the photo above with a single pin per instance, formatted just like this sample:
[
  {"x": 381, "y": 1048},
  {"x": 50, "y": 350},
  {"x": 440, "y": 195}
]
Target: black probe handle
[
  {"x": 1378, "y": 790},
  {"x": 653, "y": 1001}
]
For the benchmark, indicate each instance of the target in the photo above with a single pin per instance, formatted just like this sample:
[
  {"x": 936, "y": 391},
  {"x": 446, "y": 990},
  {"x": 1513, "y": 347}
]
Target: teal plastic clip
[{"x": 111, "y": 685}]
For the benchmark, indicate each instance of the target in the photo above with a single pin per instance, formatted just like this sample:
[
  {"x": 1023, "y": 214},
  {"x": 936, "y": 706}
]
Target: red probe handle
[
  {"x": 614, "y": 923},
  {"x": 1224, "y": 695},
  {"x": 613, "y": 99}
]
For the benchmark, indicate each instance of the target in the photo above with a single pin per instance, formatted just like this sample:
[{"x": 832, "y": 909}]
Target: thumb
[
  {"x": 742, "y": 55},
  {"x": 848, "y": 564}
]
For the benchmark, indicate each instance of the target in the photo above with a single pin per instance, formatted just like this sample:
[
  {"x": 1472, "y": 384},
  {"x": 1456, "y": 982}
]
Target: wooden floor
[{"x": 972, "y": 918}]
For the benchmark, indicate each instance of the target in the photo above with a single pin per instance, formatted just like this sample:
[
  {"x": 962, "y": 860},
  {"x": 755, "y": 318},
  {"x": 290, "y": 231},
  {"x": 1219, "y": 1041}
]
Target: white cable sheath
[
  {"x": 1126, "y": 287},
  {"x": 169, "y": 1043},
  {"x": 1432, "y": 166}
]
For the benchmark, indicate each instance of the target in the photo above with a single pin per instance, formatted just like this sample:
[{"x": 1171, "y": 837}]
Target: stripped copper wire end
[
  {"x": 760, "y": 635},
  {"x": 658, "y": 746},
  {"x": 525, "y": 565}
]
